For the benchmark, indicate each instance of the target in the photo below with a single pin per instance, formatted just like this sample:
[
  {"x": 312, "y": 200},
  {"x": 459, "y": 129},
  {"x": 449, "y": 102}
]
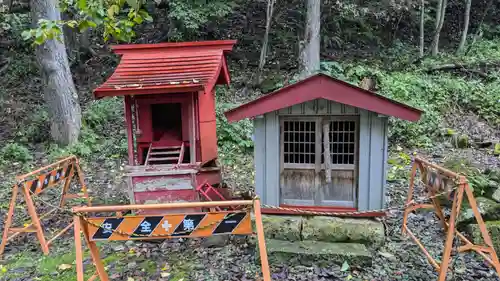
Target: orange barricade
[
  {"x": 147, "y": 227},
  {"x": 36, "y": 183},
  {"x": 436, "y": 181}
]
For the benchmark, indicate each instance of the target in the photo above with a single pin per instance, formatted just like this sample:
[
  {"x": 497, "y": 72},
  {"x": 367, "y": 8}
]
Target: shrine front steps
[
  {"x": 309, "y": 253},
  {"x": 321, "y": 240}
]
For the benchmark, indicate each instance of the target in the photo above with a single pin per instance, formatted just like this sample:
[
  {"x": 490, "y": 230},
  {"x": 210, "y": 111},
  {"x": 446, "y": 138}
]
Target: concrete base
[
  {"x": 317, "y": 253},
  {"x": 324, "y": 229}
]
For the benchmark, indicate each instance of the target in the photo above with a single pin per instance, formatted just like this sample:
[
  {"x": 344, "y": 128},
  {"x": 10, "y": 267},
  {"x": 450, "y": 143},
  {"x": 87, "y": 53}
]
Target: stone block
[
  {"x": 332, "y": 229},
  {"x": 285, "y": 228},
  {"x": 310, "y": 253}
]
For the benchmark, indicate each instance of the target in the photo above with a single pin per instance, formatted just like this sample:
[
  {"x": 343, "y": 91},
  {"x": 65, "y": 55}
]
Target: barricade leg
[
  {"x": 81, "y": 179},
  {"x": 262, "y": 242},
  {"x": 410, "y": 196},
  {"x": 94, "y": 252},
  {"x": 482, "y": 227},
  {"x": 66, "y": 187},
  {"x": 439, "y": 212},
  {"x": 450, "y": 235},
  {"x": 8, "y": 220},
  {"x": 78, "y": 246},
  {"x": 36, "y": 221}
]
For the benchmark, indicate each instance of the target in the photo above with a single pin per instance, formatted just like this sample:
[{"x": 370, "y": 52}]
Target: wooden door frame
[{"x": 318, "y": 166}]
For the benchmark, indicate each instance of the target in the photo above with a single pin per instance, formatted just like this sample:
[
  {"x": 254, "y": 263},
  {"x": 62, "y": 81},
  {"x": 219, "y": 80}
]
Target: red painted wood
[
  {"x": 167, "y": 67},
  {"x": 129, "y": 124},
  {"x": 321, "y": 86},
  {"x": 207, "y": 125},
  {"x": 211, "y": 177},
  {"x": 225, "y": 45},
  {"x": 368, "y": 214},
  {"x": 167, "y": 196}
]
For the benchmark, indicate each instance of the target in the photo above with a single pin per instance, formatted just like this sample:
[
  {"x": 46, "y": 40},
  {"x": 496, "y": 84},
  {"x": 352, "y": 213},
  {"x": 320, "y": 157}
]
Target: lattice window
[
  {"x": 299, "y": 142},
  {"x": 342, "y": 142}
]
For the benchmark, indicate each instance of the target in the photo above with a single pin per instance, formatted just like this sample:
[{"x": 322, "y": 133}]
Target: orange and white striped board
[
  {"x": 36, "y": 186},
  {"x": 168, "y": 226}
]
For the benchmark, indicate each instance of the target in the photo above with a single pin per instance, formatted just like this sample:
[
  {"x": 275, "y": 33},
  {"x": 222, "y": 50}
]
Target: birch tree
[
  {"x": 422, "y": 27},
  {"x": 59, "y": 90},
  {"x": 440, "y": 13},
  {"x": 310, "y": 46},
  {"x": 265, "y": 42},
  {"x": 463, "y": 40}
]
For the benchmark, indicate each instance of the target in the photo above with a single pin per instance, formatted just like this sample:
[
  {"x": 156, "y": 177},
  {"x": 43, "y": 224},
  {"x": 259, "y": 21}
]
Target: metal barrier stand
[
  {"x": 35, "y": 183},
  {"x": 436, "y": 179},
  {"x": 147, "y": 227}
]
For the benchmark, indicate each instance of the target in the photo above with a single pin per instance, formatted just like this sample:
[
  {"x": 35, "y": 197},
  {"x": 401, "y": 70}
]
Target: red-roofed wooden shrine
[{"x": 169, "y": 96}]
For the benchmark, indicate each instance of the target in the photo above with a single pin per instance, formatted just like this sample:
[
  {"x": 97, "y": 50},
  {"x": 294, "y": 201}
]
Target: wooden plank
[
  {"x": 385, "y": 156},
  {"x": 272, "y": 159},
  {"x": 364, "y": 160},
  {"x": 377, "y": 142},
  {"x": 260, "y": 158},
  {"x": 161, "y": 173}
]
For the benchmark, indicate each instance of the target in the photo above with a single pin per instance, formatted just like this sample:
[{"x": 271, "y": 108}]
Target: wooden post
[
  {"x": 130, "y": 135},
  {"x": 192, "y": 132},
  {"x": 8, "y": 220},
  {"x": 78, "y": 247},
  {"x": 266, "y": 273},
  {"x": 326, "y": 146}
]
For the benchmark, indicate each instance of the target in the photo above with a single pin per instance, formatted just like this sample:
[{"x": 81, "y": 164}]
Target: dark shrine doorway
[{"x": 167, "y": 123}]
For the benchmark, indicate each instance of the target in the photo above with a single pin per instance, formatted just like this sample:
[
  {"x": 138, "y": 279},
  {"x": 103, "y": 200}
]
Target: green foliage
[
  {"x": 236, "y": 135},
  {"x": 100, "y": 115},
  {"x": 99, "y": 120},
  {"x": 37, "y": 129},
  {"x": 399, "y": 163},
  {"x": 13, "y": 24},
  {"x": 189, "y": 15},
  {"x": 14, "y": 152},
  {"x": 117, "y": 17}
]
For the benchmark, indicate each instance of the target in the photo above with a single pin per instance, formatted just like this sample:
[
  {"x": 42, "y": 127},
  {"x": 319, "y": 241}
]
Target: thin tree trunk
[
  {"x": 465, "y": 31},
  {"x": 70, "y": 38},
  {"x": 59, "y": 91},
  {"x": 422, "y": 27},
  {"x": 265, "y": 42},
  {"x": 5, "y": 6},
  {"x": 310, "y": 49},
  {"x": 440, "y": 13}
]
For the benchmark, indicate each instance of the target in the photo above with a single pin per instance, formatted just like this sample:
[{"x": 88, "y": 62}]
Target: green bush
[
  {"x": 233, "y": 138},
  {"x": 102, "y": 114},
  {"x": 15, "y": 152}
]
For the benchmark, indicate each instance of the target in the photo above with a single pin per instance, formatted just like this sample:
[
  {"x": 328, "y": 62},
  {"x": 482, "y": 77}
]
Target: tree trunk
[
  {"x": 440, "y": 13},
  {"x": 5, "y": 6},
  {"x": 422, "y": 27},
  {"x": 70, "y": 38},
  {"x": 59, "y": 91},
  {"x": 461, "y": 46},
  {"x": 310, "y": 47},
  {"x": 265, "y": 42}
]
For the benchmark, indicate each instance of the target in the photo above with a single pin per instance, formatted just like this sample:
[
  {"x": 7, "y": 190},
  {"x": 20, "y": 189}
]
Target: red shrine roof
[
  {"x": 321, "y": 86},
  {"x": 167, "y": 67}
]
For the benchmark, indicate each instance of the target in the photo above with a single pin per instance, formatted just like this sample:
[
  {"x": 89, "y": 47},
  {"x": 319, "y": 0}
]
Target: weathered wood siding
[{"x": 372, "y": 151}]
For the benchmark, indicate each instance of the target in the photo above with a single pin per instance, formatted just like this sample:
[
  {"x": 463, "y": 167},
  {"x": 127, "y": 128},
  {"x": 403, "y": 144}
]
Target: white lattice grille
[
  {"x": 299, "y": 142},
  {"x": 342, "y": 142}
]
